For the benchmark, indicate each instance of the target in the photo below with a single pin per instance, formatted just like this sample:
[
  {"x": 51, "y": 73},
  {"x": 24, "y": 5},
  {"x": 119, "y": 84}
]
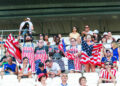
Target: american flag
[
  {"x": 95, "y": 58},
  {"x": 62, "y": 47},
  {"x": 12, "y": 47}
]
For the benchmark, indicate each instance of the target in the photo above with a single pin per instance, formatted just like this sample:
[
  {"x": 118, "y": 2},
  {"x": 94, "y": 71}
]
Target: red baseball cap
[{"x": 42, "y": 74}]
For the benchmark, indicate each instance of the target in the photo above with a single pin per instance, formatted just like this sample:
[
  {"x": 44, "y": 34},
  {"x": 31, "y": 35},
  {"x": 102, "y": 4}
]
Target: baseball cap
[
  {"x": 105, "y": 33},
  {"x": 96, "y": 31},
  {"x": 28, "y": 18}
]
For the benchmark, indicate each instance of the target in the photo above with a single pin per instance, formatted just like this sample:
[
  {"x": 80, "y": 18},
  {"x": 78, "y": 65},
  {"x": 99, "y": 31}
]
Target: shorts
[{"x": 71, "y": 65}]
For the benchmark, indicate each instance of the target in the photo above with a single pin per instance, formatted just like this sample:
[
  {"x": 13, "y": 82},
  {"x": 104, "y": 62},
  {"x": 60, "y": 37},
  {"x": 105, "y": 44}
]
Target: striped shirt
[
  {"x": 28, "y": 51},
  {"x": 105, "y": 74}
]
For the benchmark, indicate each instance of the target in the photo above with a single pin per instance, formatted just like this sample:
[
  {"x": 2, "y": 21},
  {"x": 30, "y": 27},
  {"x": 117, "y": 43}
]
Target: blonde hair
[{"x": 115, "y": 45}]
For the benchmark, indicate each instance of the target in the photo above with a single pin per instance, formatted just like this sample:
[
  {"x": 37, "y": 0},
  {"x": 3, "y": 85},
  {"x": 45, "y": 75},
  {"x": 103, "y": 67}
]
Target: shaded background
[{"x": 59, "y": 16}]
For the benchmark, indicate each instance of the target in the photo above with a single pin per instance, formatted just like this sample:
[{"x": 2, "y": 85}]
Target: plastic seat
[
  {"x": 116, "y": 37},
  {"x": 67, "y": 40},
  {"x": 56, "y": 81},
  {"x": 92, "y": 78},
  {"x": 106, "y": 84},
  {"x": 118, "y": 77},
  {"x": 9, "y": 77},
  {"x": 73, "y": 78}
]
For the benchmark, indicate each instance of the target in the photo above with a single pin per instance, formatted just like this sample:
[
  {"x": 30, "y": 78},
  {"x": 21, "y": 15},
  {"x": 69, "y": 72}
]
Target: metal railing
[{"x": 6, "y": 31}]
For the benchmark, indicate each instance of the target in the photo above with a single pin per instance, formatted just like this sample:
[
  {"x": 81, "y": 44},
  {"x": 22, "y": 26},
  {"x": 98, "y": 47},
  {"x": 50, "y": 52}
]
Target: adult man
[
  {"x": 53, "y": 68},
  {"x": 56, "y": 54},
  {"x": 87, "y": 31},
  {"x": 74, "y": 64},
  {"x": 40, "y": 52},
  {"x": 25, "y": 26},
  {"x": 109, "y": 58},
  {"x": 41, "y": 69},
  {"x": 28, "y": 51},
  {"x": 64, "y": 78},
  {"x": 24, "y": 69},
  {"x": 4, "y": 59},
  {"x": 107, "y": 74},
  {"x": 10, "y": 67}
]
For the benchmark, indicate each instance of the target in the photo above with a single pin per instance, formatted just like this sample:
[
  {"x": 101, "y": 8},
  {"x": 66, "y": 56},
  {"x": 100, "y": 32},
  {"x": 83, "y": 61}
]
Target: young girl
[{"x": 42, "y": 80}]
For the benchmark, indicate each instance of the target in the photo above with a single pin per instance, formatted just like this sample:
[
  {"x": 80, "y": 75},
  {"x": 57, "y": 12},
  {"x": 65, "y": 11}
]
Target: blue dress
[{"x": 115, "y": 53}]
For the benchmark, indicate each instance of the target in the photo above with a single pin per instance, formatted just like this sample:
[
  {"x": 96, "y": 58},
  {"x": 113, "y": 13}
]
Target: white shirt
[
  {"x": 39, "y": 84},
  {"x": 55, "y": 68},
  {"x": 77, "y": 46},
  {"x": 26, "y": 70},
  {"x": 90, "y": 32},
  {"x": 23, "y": 23}
]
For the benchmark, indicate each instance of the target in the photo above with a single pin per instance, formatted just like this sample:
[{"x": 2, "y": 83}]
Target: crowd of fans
[{"x": 46, "y": 60}]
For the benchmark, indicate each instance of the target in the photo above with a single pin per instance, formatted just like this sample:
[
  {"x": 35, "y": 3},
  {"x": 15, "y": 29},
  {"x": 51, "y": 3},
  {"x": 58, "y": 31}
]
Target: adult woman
[
  {"x": 75, "y": 50},
  {"x": 116, "y": 50},
  {"x": 110, "y": 39},
  {"x": 46, "y": 41},
  {"x": 96, "y": 36},
  {"x": 103, "y": 40},
  {"x": 42, "y": 80},
  {"x": 75, "y": 34},
  {"x": 82, "y": 81},
  {"x": 87, "y": 47}
]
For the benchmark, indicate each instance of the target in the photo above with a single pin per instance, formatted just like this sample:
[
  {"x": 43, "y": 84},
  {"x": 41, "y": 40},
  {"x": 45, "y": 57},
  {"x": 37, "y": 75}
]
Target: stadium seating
[
  {"x": 9, "y": 80},
  {"x": 27, "y": 82},
  {"x": 67, "y": 40},
  {"x": 116, "y": 37},
  {"x": 73, "y": 78},
  {"x": 92, "y": 78},
  {"x": 106, "y": 84}
]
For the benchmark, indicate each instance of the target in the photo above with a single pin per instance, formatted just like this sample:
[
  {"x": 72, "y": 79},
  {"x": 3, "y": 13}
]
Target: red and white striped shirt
[
  {"x": 41, "y": 54},
  {"x": 105, "y": 74},
  {"x": 28, "y": 51}
]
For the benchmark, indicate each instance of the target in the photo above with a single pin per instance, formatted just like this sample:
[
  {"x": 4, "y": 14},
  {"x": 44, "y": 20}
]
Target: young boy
[{"x": 41, "y": 69}]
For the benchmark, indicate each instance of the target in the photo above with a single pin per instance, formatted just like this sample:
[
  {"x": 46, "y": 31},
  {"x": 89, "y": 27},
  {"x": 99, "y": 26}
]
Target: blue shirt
[
  {"x": 63, "y": 85},
  {"x": 39, "y": 71},
  {"x": 10, "y": 67},
  {"x": 112, "y": 60}
]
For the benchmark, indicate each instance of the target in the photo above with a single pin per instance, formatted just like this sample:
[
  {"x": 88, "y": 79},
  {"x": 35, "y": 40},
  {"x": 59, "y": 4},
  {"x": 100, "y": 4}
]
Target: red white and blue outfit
[
  {"x": 74, "y": 64},
  {"x": 28, "y": 51},
  {"x": 105, "y": 59},
  {"x": 105, "y": 74},
  {"x": 41, "y": 55}
]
